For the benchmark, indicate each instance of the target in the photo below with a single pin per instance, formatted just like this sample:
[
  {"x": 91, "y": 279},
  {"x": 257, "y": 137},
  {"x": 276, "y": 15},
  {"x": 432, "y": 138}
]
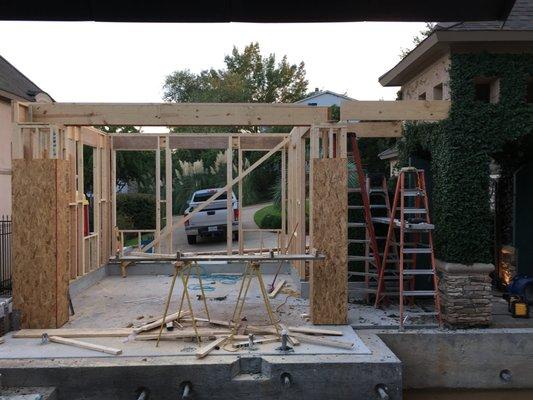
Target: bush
[
  {"x": 135, "y": 211},
  {"x": 268, "y": 217}
]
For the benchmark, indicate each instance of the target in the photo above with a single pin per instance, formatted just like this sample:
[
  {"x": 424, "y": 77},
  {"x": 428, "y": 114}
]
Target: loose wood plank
[
  {"x": 157, "y": 323},
  {"x": 276, "y": 290},
  {"x": 205, "y": 350},
  {"x": 314, "y": 331},
  {"x": 85, "y": 345},
  {"x": 72, "y": 333},
  {"x": 182, "y": 334},
  {"x": 323, "y": 342},
  {"x": 211, "y": 321},
  {"x": 267, "y": 339}
]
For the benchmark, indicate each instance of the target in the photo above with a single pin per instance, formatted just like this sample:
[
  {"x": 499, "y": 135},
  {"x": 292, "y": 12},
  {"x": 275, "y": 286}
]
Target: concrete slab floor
[{"x": 117, "y": 302}]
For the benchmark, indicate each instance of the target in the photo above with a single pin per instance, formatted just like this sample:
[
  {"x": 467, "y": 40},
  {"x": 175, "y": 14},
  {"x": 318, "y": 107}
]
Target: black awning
[{"x": 254, "y": 10}]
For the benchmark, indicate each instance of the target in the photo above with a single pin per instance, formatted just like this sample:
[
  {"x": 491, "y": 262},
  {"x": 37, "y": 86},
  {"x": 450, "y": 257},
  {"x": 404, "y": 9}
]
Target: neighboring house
[
  {"x": 13, "y": 86},
  {"x": 325, "y": 98},
  {"x": 491, "y": 63},
  {"x": 390, "y": 156},
  {"x": 423, "y": 73}
]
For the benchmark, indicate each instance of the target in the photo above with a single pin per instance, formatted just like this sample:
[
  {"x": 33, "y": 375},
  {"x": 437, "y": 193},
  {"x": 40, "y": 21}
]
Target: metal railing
[{"x": 5, "y": 255}]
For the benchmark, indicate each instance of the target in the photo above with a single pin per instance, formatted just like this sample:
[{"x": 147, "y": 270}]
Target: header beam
[
  {"x": 404, "y": 110},
  {"x": 176, "y": 114}
]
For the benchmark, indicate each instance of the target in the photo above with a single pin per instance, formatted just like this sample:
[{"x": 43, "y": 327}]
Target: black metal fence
[{"x": 5, "y": 255}]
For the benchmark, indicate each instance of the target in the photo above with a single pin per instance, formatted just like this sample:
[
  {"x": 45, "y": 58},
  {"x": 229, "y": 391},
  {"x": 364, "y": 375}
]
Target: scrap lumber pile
[{"x": 213, "y": 334}]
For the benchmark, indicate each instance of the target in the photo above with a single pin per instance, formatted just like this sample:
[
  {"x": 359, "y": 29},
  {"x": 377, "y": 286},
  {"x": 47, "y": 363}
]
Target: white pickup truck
[{"x": 212, "y": 220}]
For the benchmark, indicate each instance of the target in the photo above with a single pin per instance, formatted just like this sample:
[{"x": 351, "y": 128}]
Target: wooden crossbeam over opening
[
  {"x": 176, "y": 114},
  {"x": 251, "y": 141},
  {"x": 405, "y": 110}
]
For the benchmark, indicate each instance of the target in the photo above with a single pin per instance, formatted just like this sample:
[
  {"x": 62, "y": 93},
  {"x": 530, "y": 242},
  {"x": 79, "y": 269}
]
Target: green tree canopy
[
  {"x": 247, "y": 77},
  {"x": 135, "y": 167}
]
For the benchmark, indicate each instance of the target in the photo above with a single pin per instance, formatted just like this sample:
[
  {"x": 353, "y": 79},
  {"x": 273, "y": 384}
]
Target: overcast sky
[{"x": 119, "y": 62}]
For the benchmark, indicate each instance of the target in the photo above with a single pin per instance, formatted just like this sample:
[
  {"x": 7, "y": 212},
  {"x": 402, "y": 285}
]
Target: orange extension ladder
[
  {"x": 415, "y": 237},
  {"x": 372, "y": 257}
]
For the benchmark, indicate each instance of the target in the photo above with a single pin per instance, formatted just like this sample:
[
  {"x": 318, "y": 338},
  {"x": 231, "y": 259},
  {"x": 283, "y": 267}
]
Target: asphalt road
[{"x": 251, "y": 239}]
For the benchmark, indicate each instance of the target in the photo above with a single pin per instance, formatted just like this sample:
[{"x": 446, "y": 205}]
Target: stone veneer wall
[{"x": 465, "y": 294}]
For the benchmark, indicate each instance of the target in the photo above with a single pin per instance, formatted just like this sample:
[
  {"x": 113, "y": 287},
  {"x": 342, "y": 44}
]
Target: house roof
[
  {"x": 517, "y": 27},
  {"x": 323, "y": 92},
  {"x": 391, "y": 152},
  {"x": 254, "y": 11},
  {"x": 14, "y": 84},
  {"x": 520, "y": 18}
]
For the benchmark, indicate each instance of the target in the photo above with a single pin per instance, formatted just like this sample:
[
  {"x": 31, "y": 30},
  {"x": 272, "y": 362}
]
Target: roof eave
[{"x": 439, "y": 42}]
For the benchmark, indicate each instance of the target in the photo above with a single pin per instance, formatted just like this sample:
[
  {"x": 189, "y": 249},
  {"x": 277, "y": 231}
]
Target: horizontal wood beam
[
  {"x": 376, "y": 129},
  {"x": 405, "y": 110},
  {"x": 177, "y": 114},
  {"x": 251, "y": 141},
  {"x": 92, "y": 137}
]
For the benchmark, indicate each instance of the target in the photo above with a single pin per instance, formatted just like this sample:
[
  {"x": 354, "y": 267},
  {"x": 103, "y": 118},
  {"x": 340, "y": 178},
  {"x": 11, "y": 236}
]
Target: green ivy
[{"x": 460, "y": 149}]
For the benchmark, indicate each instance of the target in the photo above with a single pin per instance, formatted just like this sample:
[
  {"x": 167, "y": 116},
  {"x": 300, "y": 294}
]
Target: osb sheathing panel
[
  {"x": 40, "y": 242},
  {"x": 329, "y": 278}
]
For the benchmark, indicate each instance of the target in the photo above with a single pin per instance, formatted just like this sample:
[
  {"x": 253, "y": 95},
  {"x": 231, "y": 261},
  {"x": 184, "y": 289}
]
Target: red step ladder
[{"x": 413, "y": 225}]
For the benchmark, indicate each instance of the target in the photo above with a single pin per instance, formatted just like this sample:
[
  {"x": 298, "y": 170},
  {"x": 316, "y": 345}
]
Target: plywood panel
[
  {"x": 329, "y": 278},
  {"x": 40, "y": 242}
]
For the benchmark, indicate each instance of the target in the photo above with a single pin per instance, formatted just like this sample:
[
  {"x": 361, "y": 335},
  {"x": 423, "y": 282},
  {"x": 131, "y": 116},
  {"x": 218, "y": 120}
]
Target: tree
[
  {"x": 247, "y": 77},
  {"x": 133, "y": 167},
  {"x": 422, "y": 35}
]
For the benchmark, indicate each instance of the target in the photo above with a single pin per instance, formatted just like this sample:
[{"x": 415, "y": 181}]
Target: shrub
[
  {"x": 268, "y": 217},
  {"x": 135, "y": 211}
]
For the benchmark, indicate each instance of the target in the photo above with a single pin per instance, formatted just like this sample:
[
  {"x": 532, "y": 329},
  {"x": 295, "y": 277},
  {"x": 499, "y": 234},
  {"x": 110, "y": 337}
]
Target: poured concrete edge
[
  {"x": 312, "y": 376},
  {"x": 463, "y": 359}
]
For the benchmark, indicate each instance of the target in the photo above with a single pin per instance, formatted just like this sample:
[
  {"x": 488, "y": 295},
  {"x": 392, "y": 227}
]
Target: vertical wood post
[
  {"x": 168, "y": 193},
  {"x": 158, "y": 195},
  {"x": 241, "y": 200},
  {"x": 113, "y": 189},
  {"x": 283, "y": 241},
  {"x": 229, "y": 207}
]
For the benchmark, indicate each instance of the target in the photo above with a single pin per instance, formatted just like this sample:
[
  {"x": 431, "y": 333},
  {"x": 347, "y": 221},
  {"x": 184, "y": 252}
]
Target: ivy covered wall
[{"x": 460, "y": 149}]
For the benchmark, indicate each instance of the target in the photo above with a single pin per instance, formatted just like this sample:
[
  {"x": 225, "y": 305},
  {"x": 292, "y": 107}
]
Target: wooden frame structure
[{"x": 45, "y": 131}]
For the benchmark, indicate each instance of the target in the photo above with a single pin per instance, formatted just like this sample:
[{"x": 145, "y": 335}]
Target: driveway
[{"x": 251, "y": 239}]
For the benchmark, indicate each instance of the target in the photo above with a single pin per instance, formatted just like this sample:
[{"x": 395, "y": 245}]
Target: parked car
[{"x": 212, "y": 220}]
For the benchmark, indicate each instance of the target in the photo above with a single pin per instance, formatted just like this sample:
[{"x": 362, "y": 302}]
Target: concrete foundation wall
[{"x": 464, "y": 359}]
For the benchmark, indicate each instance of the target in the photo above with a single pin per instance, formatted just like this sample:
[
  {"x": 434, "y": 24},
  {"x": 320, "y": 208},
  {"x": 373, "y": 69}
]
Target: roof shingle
[
  {"x": 520, "y": 19},
  {"x": 15, "y": 82}
]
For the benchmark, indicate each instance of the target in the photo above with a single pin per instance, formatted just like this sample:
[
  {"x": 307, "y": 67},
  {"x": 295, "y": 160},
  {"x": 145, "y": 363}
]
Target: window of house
[
  {"x": 529, "y": 90},
  {"x": 312, "y": 104},
  {"x": 437, "y": 92},
  {"x": 422, "y": 96},
  {"x": 487, "y": 90}
]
